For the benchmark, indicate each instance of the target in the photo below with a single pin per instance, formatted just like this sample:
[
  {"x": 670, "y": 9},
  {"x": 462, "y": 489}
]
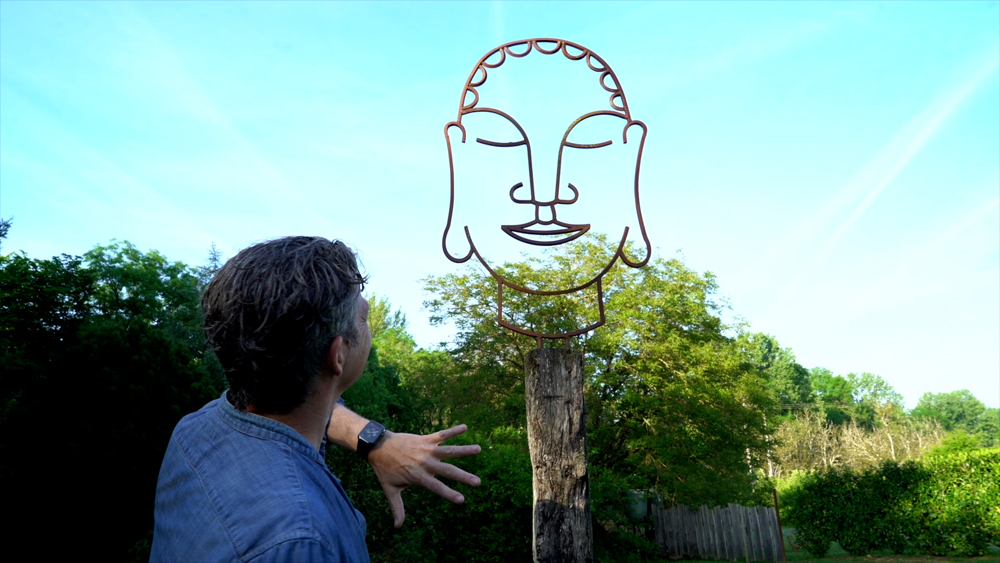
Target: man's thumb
[{"x": 396, "y": 505}]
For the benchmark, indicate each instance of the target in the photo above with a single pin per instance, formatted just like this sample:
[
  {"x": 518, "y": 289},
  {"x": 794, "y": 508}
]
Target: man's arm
[{"x": 401, "y": 460}]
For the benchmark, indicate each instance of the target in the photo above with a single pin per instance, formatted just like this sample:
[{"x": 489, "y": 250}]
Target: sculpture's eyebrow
[{"x": 496, "y": 144}]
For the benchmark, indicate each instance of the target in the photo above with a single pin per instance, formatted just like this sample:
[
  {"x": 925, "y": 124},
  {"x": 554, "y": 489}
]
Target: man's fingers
[
  {"x": 444, "y": 491},
  {"x": 449, "y": 471},
  {"x": 448, "y": 452},
  {"x": 448, "y": 433}
]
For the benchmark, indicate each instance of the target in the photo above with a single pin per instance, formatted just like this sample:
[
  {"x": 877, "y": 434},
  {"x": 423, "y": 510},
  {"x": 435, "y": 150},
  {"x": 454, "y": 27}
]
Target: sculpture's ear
[
  {"x": 637, "y": 250},
  {"x": 450, "y": 129},
  {"x": 455, "y": 241}
]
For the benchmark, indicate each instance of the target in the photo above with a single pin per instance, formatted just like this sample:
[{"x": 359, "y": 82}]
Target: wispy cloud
[
  {"x": 882, "y": 170},
  {"x": 808, "y": 245},
  {"x": 161, "y": 65},
  {"x": 911, "y": 278},
  {"x": 963, "y": 225}
]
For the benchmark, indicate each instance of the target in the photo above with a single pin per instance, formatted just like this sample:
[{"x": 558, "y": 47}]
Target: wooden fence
[{"x": 733, "y": 532}]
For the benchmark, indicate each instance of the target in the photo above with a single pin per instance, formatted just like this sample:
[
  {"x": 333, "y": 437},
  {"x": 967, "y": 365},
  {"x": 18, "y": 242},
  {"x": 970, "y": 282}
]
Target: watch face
[{"x": 371, "y": 433}]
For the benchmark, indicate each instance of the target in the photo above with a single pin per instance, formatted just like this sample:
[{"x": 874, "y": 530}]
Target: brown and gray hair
[{"x": 271, "y": 313}]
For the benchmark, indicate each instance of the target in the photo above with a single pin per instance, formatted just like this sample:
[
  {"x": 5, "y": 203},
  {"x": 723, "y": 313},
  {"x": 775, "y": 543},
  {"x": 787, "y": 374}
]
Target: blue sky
[{"x": 835, "y": 165}]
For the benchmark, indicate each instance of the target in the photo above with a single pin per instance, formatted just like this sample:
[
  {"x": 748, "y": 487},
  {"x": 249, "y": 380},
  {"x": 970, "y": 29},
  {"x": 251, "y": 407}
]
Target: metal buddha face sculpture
[{"x": 542, "y": 205}]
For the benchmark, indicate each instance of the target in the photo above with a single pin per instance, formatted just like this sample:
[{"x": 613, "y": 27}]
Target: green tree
[
  {"x": 875, "y": 401},
  {"x": 957, "y": 442},
  {"x": 961, "y": 411},
  {"x": 101, "y": 356},
  {"x": 4, "y": 227},
  {"x": 207, "y": 272},
  {"x": 871, "y": 388},
  {"x": 988, "y": 428},
  {"x": 834, "y": 392},
  {"x": 672, "y": 403},
  {"x": 389, "y": 333},
  {"x": 408, "y": 390},
  {"x": 43, "y": 303},
  {"x": 957, "y": 410},
  {"x": 788, "y": 381}
]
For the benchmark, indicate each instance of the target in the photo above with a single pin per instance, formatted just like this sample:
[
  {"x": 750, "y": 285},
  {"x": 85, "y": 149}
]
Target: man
[{"x": 245, "y": 478}]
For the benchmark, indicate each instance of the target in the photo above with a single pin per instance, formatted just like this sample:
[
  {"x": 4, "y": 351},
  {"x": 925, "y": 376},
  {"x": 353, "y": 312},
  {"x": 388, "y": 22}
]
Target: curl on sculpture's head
[
  {"x": 546, "y": 229},
  {"x": 545, "y": 46}
]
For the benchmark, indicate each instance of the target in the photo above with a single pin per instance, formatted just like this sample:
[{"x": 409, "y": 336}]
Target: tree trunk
[{"x": 557, "y": 440}]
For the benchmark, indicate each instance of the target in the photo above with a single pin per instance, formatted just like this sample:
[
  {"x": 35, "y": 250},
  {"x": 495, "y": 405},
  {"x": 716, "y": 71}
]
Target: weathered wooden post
[
  {"x": 557, "y": 439},
  {"x": 554, "y": 377}
]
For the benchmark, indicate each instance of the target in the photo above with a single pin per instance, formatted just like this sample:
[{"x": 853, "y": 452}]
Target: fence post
[
  {"x": 703, "y": 548},
  {"x": 657, "y": 536},
  {"x": 766, "y": 547},
  {"x": 758, "y": 546},
  {"x": 746, "y": 536},
  {"x": 726, "y": 533},
  {"x": 781, "y": 533},
  {"x": 713, "y": 551}
]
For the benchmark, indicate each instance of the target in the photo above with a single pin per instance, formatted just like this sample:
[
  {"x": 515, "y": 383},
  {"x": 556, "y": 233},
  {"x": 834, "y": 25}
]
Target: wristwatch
[{"x": 369, "y": 436}]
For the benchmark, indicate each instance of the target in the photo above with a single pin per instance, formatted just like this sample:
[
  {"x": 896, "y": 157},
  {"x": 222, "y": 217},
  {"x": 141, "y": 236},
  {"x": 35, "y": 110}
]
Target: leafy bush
[
  {"x": 945, "y": 505},
  {"x": 100, "y": 356},
  {"x": 493, "y": 525},
  {"x": 958, "y": 508},
  {"x": 955, "y": 443}
]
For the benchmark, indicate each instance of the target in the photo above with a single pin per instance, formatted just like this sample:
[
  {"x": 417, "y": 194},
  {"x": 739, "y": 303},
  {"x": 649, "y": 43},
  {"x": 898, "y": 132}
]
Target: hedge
[{"x": 944, "y": 505}]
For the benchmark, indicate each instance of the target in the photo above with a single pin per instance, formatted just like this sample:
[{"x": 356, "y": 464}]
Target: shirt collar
[{"x": 268, "y": 429}]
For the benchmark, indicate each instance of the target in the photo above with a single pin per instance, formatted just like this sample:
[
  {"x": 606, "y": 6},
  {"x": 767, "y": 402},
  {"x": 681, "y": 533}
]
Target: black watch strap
[{"x": 369, "y": 436}]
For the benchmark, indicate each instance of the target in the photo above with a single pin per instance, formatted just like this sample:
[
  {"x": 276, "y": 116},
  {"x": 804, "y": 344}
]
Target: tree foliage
[
  {"x": 946, "y": 505},
  {"x": 834, "y": 392},
  {"x": 405, "y": 389},
  {"x": 788, "y": 381},
  {"x": 961, "y": 411},
  {"x": 101, "y": 355},
  {"x": 672, "y": 402}
]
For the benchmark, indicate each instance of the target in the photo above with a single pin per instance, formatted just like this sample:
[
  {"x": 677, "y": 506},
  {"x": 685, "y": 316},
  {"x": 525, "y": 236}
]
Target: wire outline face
[{"x": 546, "y": 229}]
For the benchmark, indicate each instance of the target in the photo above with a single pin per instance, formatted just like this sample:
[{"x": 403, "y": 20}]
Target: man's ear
[{"x": 336, "y": 355}]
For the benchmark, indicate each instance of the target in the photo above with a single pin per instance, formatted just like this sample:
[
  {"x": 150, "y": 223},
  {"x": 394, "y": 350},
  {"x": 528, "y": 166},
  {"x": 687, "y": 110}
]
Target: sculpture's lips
[{"x": 549, "y": 233}]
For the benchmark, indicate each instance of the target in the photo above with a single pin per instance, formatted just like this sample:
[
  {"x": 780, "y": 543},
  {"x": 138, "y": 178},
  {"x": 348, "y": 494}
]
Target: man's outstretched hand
[{"x": 401, "y": 460}]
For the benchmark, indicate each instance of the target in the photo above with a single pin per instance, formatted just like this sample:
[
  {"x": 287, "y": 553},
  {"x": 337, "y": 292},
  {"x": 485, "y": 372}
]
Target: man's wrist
[{"x": 369, "y": 437}]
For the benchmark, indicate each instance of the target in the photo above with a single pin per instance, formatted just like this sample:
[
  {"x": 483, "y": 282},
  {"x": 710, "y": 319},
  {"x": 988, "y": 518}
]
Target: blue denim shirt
[{"x": 236, "y": 486}]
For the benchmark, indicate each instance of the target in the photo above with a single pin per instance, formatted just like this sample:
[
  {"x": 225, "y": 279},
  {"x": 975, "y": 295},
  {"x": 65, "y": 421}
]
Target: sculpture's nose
[{"x": 547, "y": 194}]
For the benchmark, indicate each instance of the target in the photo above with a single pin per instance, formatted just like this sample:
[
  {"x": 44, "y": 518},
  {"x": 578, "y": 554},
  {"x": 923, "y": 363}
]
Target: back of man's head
[{"x": 272, "y": 312}]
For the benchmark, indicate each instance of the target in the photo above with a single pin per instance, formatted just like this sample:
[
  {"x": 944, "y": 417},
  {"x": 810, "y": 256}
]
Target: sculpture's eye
[
  {"x": 587, "y": 145},
  {"x": 498, "y": 144}
]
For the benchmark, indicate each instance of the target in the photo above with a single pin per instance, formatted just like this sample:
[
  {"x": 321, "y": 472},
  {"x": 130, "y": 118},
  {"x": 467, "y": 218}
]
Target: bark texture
[{"x": 557, "y": 440}]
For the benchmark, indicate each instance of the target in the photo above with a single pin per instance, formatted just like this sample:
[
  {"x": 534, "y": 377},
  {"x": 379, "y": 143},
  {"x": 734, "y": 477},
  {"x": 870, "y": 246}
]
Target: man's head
[
  {"x": 272, "y": 312},
  {"x": 555, "y": 185}
]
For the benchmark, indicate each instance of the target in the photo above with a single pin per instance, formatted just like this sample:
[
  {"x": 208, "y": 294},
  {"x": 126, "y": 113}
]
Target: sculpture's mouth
[{"x": 549, "y": 233}]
